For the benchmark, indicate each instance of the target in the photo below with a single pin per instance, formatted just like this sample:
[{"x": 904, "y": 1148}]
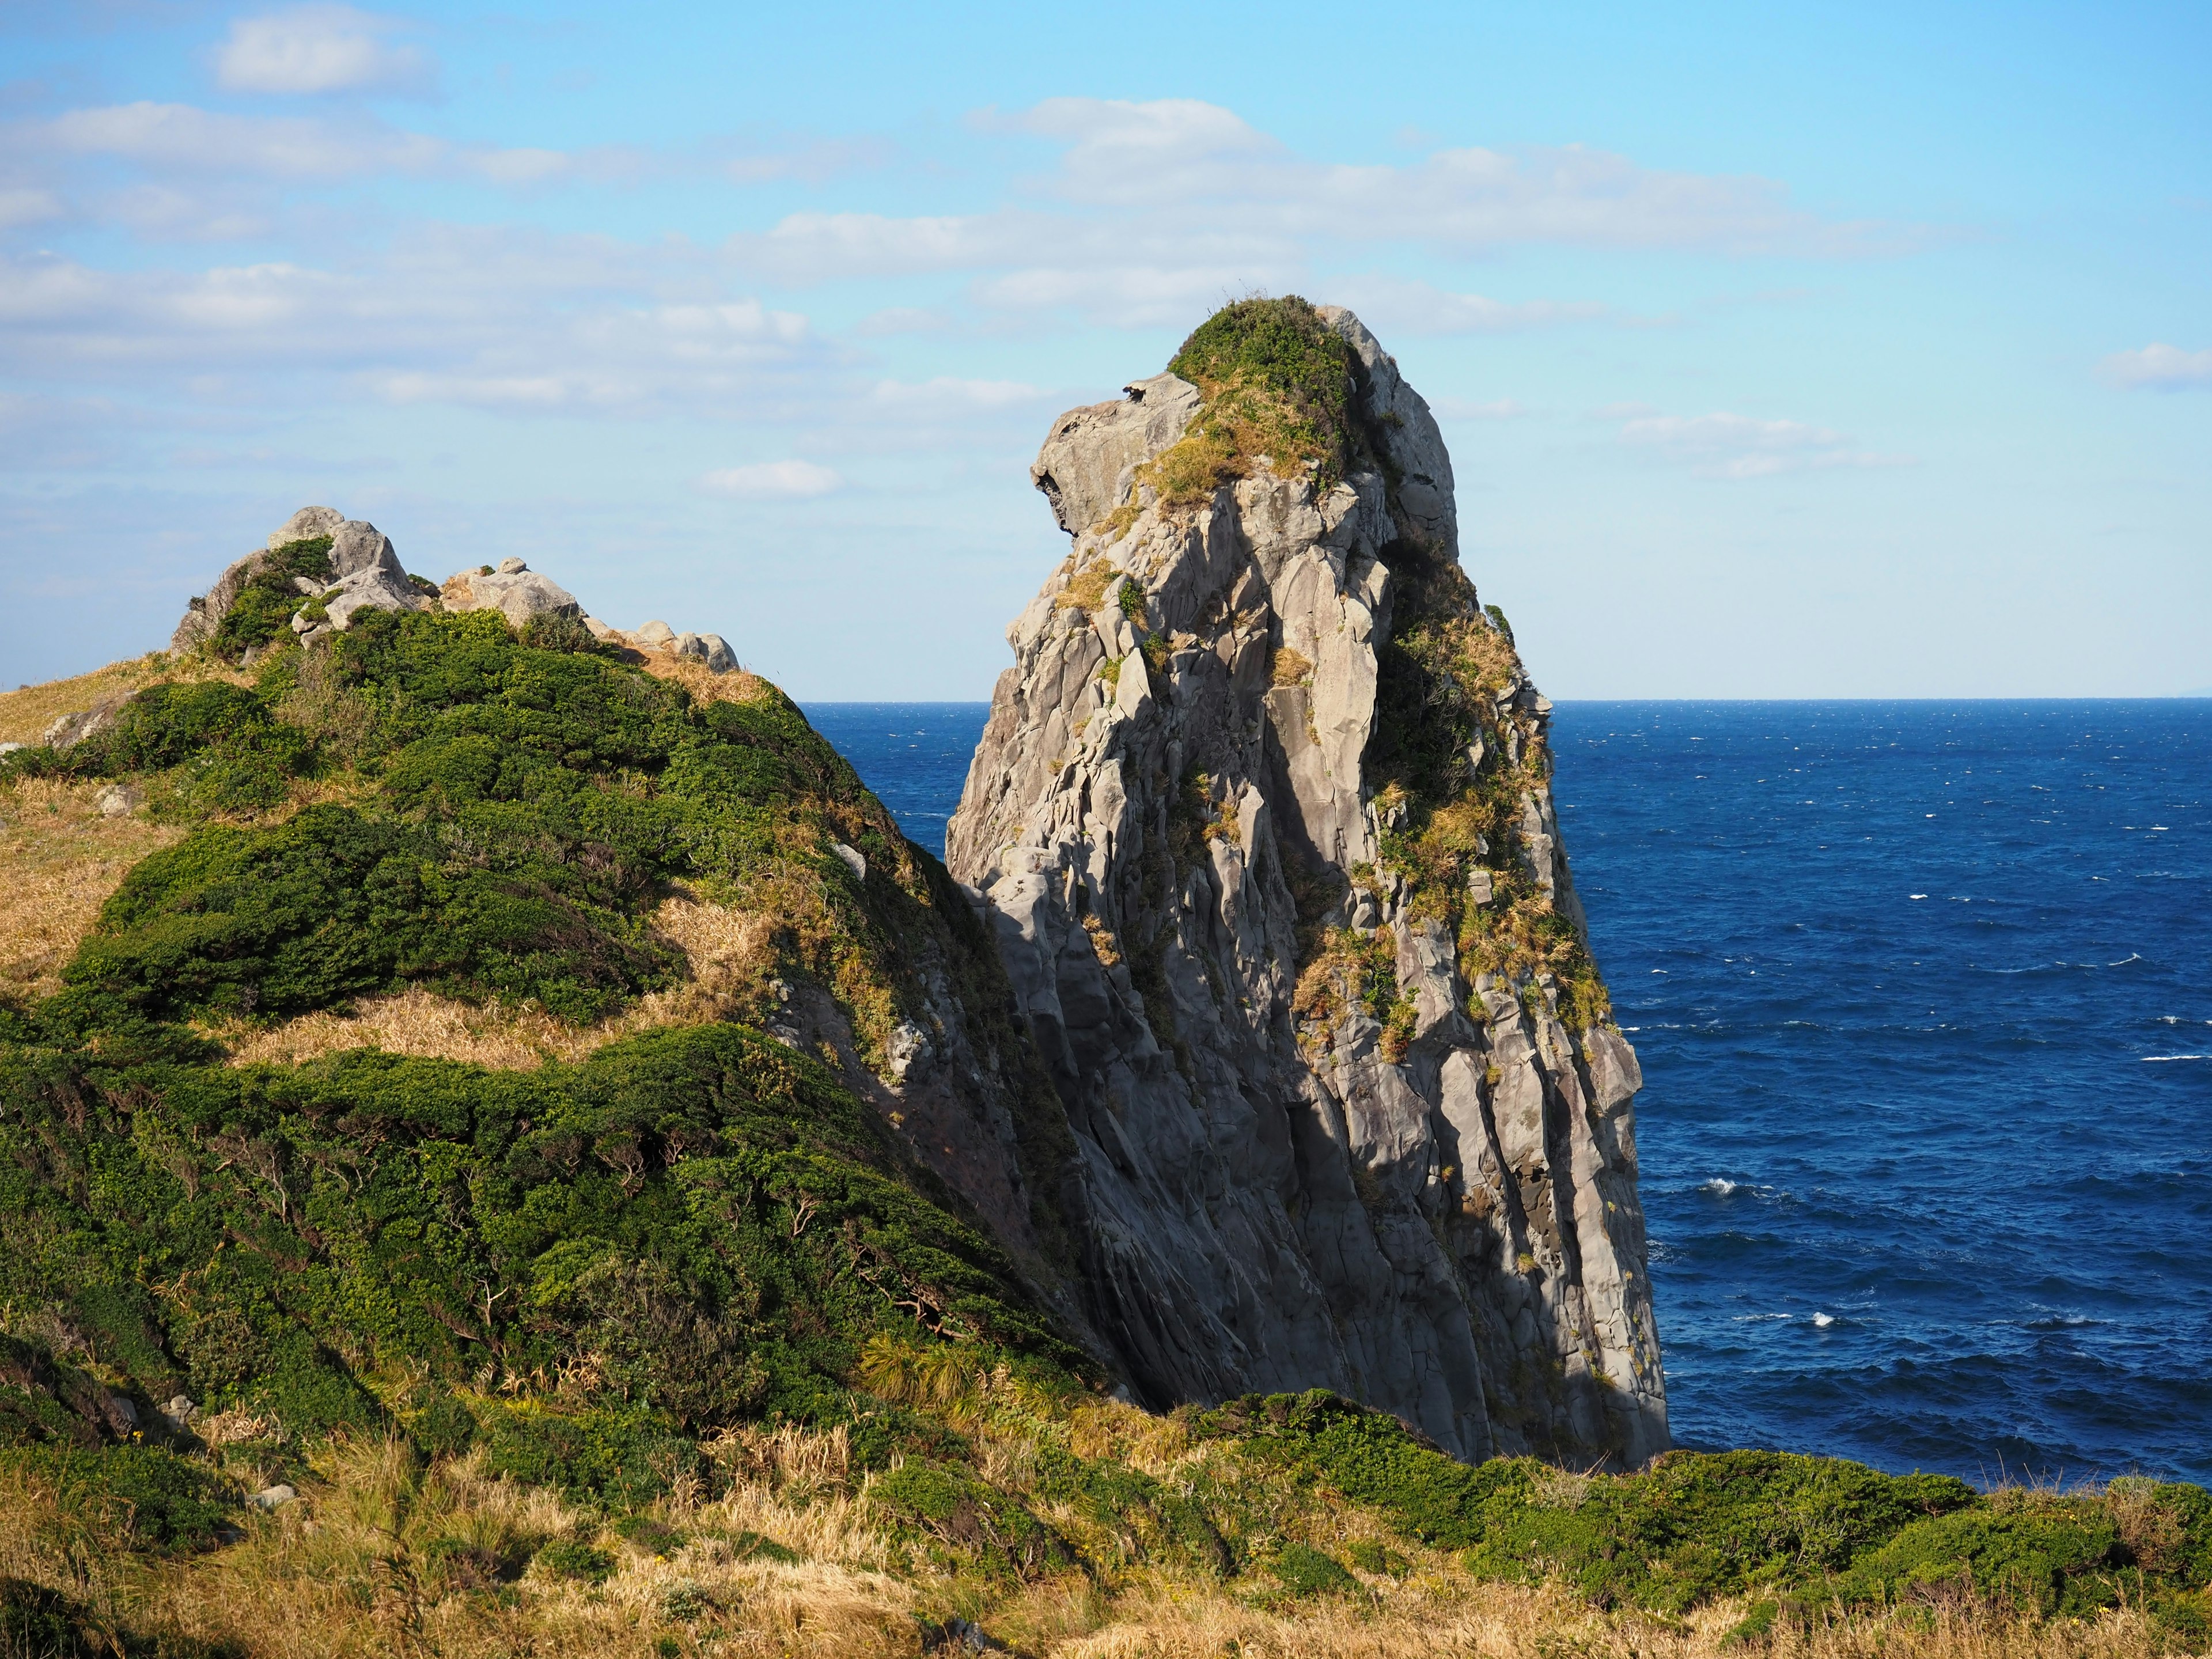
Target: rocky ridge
[
  {"x": 323, "y": 567},
  {"x": 1262, "y": 820}
]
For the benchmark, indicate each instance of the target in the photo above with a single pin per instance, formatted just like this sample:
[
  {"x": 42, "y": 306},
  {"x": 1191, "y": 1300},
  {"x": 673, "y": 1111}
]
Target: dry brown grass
[
  {"x": 59, "y": 861},
  {"x": 26, "y": 713},
  {"x": 738, "y": 686},
  {"x": 731, "y": 958},
  {"x": 381, "y": 1557}
]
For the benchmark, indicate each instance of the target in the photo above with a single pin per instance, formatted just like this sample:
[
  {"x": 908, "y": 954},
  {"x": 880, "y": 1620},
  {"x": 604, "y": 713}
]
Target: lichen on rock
[{"x": 1262, "y": 818}]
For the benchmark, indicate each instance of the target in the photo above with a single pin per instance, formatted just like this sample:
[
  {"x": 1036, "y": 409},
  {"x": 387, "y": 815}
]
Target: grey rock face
[
  {"x": 66, "y": 731},
  {"x": 358, "y": 548},
  {"x": 514, "y": 590},
  {"x": 1084, "y": 469},
  {"x": 1430, "y": 1206},
  {"x": 372, "y": 587}
]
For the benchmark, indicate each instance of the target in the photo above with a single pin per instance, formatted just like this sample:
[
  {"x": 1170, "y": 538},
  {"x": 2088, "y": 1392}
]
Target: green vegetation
[
  {"x": 1793, "y": 1534},
  {"x": 264, "y": 607},
  {"x": 1277, "y": 385}
]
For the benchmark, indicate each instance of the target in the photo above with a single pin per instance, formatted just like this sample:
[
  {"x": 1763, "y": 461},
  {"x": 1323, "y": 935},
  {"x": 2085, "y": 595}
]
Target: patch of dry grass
[
  {"x": 62, "y": 859},
  {"x": 738, "y": 686},
  {"x": 383, "y": 1556},
  {"x": 730, "y": 954},
  {"x": 26, "y": 713}
]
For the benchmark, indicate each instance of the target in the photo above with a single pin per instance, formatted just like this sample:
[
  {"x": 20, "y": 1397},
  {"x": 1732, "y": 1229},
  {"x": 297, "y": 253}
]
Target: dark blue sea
[{"x": 1923, "y": 997}]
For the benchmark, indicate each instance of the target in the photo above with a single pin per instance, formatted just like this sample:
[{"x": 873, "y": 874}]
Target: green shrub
[
  {"x": 264, "y": 608},
  {"x": 952, "y": 1506},
  {"x": 1305, "y": 1570},
  {"x": 143, "y": 1496},
  {"x": 2048, "y": 1555},
  {"x": 614, "y": 1457},
  {"x": 571, "y": 1557}
]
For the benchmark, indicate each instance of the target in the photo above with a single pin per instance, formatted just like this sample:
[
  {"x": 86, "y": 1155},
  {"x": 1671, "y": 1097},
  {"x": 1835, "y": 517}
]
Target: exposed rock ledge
[{"x": 1295, "y": 1171}]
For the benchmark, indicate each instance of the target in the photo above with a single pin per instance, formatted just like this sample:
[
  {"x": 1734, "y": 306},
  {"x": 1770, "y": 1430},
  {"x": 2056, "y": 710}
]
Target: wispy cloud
[
  {"x": 768, "y": 480},
  {"x": 320, "y": 49},
  {"x": 1417, "y": 307},
  {"x": 1740, "y": 447},
  {"x": 2158, "y": 369}
]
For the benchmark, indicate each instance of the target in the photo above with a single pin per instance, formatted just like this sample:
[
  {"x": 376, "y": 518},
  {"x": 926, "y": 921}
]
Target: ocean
[{"x": 1923, "y": 993}]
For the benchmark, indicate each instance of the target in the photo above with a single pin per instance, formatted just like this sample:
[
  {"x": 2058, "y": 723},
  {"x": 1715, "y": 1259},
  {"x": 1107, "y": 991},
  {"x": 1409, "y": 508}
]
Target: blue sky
[{"x": 1827, "y": 351}]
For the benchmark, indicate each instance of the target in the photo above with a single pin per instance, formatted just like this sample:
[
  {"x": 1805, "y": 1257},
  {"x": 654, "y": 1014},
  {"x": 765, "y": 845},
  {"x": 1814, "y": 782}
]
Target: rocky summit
[{"x": 1262, "y": 818}]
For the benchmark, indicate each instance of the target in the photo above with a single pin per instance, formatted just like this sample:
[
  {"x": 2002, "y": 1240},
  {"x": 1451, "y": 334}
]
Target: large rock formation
[
  {"x": 1261, "y": 818},
  {"x": 318, "y": 552}
]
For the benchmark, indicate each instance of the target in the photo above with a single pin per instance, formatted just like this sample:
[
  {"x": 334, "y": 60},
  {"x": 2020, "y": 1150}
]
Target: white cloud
[
  {"x": 2158, "y": 369},
  {"x": 173, "y": 138},
  {"x": 767, "y": 480},
  {"x": 501, "y": 318},
  {"x": 1153, "y": 209},
  {"x": 1737, "y": 447},
  {"x": 1417, "y": 308},
  {"x": 318, "y": 49},
  {"x": 28, "y": 207},
  {"x": 946, "y": 390}
]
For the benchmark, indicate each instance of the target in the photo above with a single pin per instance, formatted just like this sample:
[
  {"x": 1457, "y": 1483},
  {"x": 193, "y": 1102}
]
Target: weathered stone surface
[
  {"x": 514, "y": 590},
  {"x": 710, "y": 649},
  {"x": 118, "y": 800},
  {"x": 357, "y": 548},
  {"x": 374, "y": 588},
  {"x": 1085, "y": 466},
  {"x": 67, "y": 731},
  {"x": 1441, "y": 1220},
  {"x": 655, "y": 634}
]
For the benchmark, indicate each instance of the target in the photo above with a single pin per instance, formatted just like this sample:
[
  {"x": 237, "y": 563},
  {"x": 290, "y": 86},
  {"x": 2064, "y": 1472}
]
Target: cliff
[{"x": 1263, "y": 821}]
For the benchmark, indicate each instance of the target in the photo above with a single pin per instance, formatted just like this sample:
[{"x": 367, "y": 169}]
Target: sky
[{"x": 1783, "y": 351}]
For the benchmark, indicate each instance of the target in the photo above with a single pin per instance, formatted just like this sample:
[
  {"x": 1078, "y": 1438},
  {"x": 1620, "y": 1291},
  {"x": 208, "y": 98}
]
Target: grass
[{"x": 790, "y": 1544}]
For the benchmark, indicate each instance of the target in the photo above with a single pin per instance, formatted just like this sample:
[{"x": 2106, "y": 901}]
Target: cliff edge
[{"x": 1263, "y": 822}]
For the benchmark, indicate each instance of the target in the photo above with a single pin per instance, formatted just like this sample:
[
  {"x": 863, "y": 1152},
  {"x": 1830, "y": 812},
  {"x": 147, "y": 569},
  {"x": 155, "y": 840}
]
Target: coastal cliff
[{"x": 1262, "y": 819}]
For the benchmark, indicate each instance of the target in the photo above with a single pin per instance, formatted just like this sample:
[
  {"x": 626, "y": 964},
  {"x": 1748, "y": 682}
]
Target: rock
[
  {"x": 1084, "y": 469},
  {"x": 69, "y": 730},
  {"x": 357, "y": 547},
  {"x": 117, "y": 800},
  {"x": 1431, "y": 1209},
  {"x": 9, "y": 748},
  {"x": 711, "y": 649},
  {"x": 599, "y": 630},
  {"x": 655, "y": 634},
  {"x": 514, "y": 590},
  {"x": 179, "y": 1411},
  {"x": 272, "y": 1498},
  {"x": 374, "y": 588},
  {"x": 305, "y": 524},
  {"x": 854, "y": 860},
  {"x": 123, "y": 1412}
]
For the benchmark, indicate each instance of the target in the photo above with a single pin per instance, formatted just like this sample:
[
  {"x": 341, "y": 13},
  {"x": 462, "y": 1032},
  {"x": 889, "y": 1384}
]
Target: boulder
[
  {"x": 372, "y": 587},
  {"x": 69, "y": 730},
  {"x": 514, "y": 590},
  {"x": 357, "y": 546},
  {"x": 709, "y": 648},
  {"x": 655, "y": 634},
  {"x": 272, "y": 1498}
]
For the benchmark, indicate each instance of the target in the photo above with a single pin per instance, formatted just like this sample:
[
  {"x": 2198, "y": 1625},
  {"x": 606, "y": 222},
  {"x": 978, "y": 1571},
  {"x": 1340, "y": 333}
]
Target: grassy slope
[{"x": 664, "y": 1343}]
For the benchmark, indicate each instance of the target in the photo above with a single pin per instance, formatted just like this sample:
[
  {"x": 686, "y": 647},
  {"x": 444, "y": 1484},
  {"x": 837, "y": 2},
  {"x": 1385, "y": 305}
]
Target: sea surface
[{"x": 1923, "y": 993}]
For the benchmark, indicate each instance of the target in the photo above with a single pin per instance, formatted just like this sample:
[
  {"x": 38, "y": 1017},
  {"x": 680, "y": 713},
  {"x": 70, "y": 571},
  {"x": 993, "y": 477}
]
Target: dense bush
[
  {"x": 264, "y": 608},
  {"x": 710, "y": 1217},
  {"x": 1802, "y": 1532}
]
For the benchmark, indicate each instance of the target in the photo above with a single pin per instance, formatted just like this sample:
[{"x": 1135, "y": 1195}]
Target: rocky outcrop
[
  {"x": 362, "y": 569},
  {"x": 1262, "y": 821},
  {"x": 514, "y": 590}
]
